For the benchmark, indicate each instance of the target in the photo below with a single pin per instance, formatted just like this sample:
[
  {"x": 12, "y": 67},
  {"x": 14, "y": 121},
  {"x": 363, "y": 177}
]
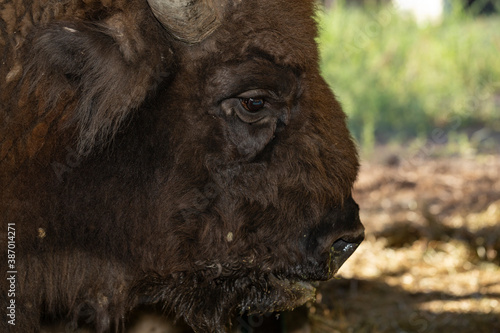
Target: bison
[{"x": 179, "y": 154}]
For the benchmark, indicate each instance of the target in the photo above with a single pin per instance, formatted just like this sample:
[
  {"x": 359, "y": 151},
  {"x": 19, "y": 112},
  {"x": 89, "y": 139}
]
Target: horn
[{"x": 189, "y": 21}]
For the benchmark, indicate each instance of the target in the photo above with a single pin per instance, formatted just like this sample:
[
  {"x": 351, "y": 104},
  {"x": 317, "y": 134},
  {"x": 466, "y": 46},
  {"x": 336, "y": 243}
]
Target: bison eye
[{"x": 252, "y": 104}]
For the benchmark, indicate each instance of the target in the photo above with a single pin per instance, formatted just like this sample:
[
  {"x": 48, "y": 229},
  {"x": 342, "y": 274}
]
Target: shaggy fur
[{"x": 135, "y": 176}]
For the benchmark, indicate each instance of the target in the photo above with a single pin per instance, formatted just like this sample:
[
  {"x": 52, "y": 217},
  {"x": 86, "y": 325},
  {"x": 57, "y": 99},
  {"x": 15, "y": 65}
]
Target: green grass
[{"x": 398, "y": 80}]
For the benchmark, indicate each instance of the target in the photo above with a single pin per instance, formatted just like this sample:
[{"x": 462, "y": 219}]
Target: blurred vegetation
[{"x": 399, "y": 80}]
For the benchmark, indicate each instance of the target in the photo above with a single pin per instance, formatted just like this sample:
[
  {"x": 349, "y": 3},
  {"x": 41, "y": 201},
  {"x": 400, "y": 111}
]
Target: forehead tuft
[{"x": 283, "y": 31}]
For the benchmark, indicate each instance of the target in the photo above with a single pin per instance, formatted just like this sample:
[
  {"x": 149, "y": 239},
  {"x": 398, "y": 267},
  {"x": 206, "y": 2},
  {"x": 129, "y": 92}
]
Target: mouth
[
  {"x": 284, "y": 294},
  {"x": 288, "y": 293},
  {"x": 301, "y": 291},
  {"x": 221, "y": 297}
]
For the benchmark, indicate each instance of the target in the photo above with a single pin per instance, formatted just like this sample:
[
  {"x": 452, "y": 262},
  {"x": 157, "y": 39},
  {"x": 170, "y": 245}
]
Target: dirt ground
[{"x": 430, "y": 261}]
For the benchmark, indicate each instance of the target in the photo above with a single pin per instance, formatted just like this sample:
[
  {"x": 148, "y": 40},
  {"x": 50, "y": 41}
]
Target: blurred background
[{"x": 420, "y": 82}]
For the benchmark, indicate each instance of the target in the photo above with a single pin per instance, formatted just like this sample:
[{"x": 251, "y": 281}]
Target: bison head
[
  {"x": 256, "y": 193},
  {"x": 214, "y": 164}
]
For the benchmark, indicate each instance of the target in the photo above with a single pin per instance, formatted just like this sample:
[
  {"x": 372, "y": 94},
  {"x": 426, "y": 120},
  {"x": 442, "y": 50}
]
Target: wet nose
[
  {"x": 336, "y": 238},
  {"x": 340, "y": 252},
  {"x": 349, "y": 238}
]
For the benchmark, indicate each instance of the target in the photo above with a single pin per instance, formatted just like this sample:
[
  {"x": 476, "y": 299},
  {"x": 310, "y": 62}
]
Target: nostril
[
  {"x": 342, "y": 248},
  {"x": 340, "y": 251}
]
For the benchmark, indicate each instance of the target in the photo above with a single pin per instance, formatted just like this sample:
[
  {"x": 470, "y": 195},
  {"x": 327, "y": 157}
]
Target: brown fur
[{"x": 133, "y": 181}]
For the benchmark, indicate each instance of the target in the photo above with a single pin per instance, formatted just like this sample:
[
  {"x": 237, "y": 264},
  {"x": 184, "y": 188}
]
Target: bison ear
[{"x": 107, "y": 70}]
